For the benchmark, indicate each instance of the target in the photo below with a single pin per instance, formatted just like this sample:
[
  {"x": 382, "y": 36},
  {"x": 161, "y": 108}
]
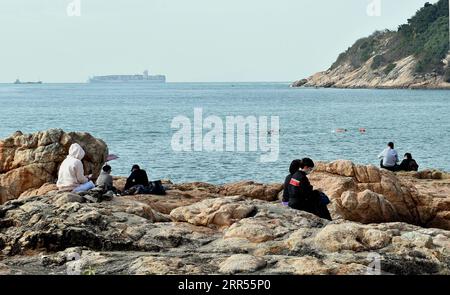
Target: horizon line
[{"x": 167, "y": 82}]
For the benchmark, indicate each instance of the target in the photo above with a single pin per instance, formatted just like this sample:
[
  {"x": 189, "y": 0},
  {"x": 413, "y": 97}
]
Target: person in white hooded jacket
[{"x": 71, "y": 173}]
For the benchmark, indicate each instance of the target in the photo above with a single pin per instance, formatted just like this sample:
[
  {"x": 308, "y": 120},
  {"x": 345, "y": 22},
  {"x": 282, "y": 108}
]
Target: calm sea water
[{"x": 135, "y": 122}]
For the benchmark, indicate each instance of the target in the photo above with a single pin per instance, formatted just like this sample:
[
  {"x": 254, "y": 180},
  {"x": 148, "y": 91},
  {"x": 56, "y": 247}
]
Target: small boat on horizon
[{"x": 28, "y": 82}]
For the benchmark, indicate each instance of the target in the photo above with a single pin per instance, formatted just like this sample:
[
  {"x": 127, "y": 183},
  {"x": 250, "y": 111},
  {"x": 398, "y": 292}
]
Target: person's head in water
[
  {"x": 107, "y": 169},
  {"x": 135, "y": 168},
  {"x": 408, "y": 156},
  {"x": 391, "y": 145},
  {"x": 295, "y": 166},
  {"x": 307, "y": 165}
]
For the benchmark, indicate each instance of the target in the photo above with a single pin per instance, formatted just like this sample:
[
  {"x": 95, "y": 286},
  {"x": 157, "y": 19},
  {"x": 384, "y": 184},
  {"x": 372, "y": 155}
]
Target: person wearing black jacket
[
  {"x": 138, "y": 176},
  {"x": 295, "y": 166},
  {"x": 301, "y": 193},
  {"x": 408, "y": 164}
]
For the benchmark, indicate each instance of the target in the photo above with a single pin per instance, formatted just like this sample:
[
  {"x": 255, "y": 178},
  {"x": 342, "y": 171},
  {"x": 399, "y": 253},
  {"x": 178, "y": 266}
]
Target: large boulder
[
  {"x": 27, "y": 161},
  {"x": 432, "y": 197},
  {"x": 368, "y": 194},
  {"x": 364, "y": 193},
  {"x": 214, "y": 212},
  {"x": 253, "y": 190},
  {"x": 43, "y": 190}
]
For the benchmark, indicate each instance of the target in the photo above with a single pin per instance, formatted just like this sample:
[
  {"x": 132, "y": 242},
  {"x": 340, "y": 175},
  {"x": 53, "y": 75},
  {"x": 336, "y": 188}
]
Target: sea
[{"x": 139, "y": 124}]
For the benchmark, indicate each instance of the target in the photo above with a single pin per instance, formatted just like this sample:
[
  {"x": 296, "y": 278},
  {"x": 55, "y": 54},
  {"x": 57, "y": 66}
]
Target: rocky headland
[
  {"x": 201, "y": 228},
  {"x": 414, "y": 56}
]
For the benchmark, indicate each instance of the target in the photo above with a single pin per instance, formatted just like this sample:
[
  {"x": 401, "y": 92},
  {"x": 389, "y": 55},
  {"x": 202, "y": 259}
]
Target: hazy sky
[{"x": 188, "y": 40}]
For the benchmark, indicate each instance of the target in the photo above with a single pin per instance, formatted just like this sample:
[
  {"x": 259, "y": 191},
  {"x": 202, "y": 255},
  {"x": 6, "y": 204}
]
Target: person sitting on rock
[
  {"x": 408, "y": 163},
  {"x": 137, "y": 182},
  {"x": 293, "y": 168},
  {"x": 105, "y": 180},
  {"x": 301, "y": 193},
  {"x": 389, "y": 158},
  {"x": 71, "y": 173}
]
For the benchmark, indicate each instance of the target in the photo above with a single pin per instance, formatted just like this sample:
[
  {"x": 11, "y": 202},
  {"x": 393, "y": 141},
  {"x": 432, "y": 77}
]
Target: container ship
[
  {"x": 138, "y": 78},
  {"x": 20, "y": 82}
]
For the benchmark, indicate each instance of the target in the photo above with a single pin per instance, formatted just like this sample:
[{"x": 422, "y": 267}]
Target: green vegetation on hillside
[{"x": 426, "y": 36}]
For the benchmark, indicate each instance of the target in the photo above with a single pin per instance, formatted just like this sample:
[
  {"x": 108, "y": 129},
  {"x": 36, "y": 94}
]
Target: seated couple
[
  {"x": 389, "y": 160},
  {"x": 298, "y": 192}
]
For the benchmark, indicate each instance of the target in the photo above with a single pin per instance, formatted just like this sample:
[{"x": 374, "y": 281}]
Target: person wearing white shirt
[{"x": 389, "y": 158}]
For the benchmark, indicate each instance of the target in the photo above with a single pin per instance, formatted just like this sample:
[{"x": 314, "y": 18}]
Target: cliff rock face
[
  {"x": 400, "y": 76},
  {"x": 27, "y": 161},
  {"x": 414, "y": 56}
]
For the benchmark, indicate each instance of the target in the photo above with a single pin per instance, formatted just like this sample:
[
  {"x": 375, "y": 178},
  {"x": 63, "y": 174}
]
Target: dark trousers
[
  {"x": 393, "y": 168},
  {"x": 315, "y": 205}
]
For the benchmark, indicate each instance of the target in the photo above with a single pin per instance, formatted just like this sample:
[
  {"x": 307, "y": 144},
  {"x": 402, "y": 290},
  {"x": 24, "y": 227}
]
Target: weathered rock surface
[
  {"x": 250, "y": 189},
  {"x": 60, "y": 233},
  {"x": 432, "y": 192},
  {"x": 43, "y": 190},
  {"x": 347, "y": 76},
  {"x": 368, "y": 194},
  {"x": 217, "y": 212},
  {"x": 27, "y": 161},
  {"x": 359, "y": 193}
]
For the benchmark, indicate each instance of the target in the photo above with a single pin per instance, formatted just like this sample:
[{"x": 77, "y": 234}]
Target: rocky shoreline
[
  {"x": 364, "y": 77},
  {"x": 199, "y": 228}
]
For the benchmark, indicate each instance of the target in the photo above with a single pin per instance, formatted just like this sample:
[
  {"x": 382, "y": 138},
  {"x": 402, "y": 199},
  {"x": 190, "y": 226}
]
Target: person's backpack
[{"x": 156, "y": 188}]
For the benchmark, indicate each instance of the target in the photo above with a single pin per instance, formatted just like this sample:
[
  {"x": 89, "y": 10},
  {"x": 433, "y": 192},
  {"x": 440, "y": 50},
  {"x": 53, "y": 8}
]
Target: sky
[{"x": 187, "y": 40}]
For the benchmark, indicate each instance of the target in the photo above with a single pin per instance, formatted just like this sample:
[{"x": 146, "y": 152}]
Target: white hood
[
  {"x": 71, "y": 172},
  {"x": 76, "y": 151}
]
